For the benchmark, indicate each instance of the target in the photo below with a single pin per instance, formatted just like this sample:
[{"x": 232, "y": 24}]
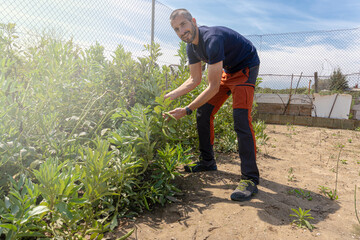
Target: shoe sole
[{"x": 207, "y": 170}]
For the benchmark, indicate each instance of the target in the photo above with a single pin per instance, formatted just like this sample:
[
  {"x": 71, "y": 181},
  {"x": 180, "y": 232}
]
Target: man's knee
[{"x": 204, "y": 112}]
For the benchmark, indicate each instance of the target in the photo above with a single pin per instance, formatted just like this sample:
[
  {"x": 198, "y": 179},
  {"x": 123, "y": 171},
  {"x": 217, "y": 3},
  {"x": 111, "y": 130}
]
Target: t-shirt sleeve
[
  {"x": 215, "y": 49},
  {"x": 191, "y": 55}
]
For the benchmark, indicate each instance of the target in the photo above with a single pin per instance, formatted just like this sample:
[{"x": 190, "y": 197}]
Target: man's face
[{"x": 185, "y": 29}]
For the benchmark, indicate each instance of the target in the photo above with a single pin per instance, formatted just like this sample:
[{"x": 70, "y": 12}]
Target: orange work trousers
[{"x": 241, "y": 85}]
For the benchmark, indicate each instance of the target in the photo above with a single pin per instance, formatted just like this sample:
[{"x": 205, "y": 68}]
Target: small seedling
[
  {"x": 323, "y": 189},
  {"x": 290, "y": 127},
  {"x": 291, "y": 175},
  {"x": 350, "y": 140},
  {"x": 333, "y": 195},
  {"x": 301, "y": 194},
  {"x": 343, "y": 161},
  {"x": 327, "y": 192},
  {"x": 330, "y": 157},
  {"x": 302, "y": 217}
]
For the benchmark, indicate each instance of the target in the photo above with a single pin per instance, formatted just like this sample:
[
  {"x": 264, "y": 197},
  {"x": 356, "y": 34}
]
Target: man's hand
[{"x": 177, "y": 113}]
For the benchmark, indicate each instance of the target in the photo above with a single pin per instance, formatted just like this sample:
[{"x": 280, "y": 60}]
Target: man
[{"x": 233, "y": 66}]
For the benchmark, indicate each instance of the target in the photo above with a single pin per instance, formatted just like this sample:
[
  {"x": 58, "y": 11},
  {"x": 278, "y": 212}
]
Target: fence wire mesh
[
  {"x": 108, "y": 22},
  {"x": 287, "y": 56},
  {"x": 284, "y": 57}
]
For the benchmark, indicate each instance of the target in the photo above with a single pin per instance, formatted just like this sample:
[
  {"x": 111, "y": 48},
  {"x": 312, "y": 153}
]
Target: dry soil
[{"x": 295, "y": 159}]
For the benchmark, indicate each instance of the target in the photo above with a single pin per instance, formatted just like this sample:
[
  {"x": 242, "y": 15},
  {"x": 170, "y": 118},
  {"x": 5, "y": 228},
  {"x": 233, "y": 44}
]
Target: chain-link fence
[
  {"x": 284, "y": 57},
  {"x": 108, "y": 22},
  {"x": 291, "y": 57}
]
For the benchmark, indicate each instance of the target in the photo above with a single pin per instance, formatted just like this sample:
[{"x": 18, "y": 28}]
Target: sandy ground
[{"x": 294, "y": 158}]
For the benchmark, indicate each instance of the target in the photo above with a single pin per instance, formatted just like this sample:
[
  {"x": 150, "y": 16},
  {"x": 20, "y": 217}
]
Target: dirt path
[{"x": 205, "y": 211}]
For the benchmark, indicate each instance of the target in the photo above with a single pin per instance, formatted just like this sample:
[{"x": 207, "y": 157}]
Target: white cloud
[
  {"x": 128, "y": 22},
  {"x": 263, "y": 16},
  {"x": 310, "y": 59},
  {"x": 131, "y": 12},
  {"x": 131, "y": 39},
  {"x": 323, "y": 59}
]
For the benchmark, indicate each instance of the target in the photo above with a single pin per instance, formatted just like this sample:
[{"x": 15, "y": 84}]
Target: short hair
[{"x": 181, "y": 11}]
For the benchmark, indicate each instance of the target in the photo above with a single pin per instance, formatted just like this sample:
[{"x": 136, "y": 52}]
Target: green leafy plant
[
  {"x": 259, "y": 128},
  {"x": 58, "y": 185},
  {"x": 332, "y": 194},
  {"x": 55, "y": 100},
  {"x": 301, "y": 193},
  {"x": 226, "y": 141},
  {"x": 302, "y": 217},
  {"x": 290, "y": 176},
  {"x": 290, "y": 128},
  {"x": 20, "y": 216},
  {"x": 83, "y": 137},
  {"x": 327, "y": 192},
  {"x": 148, "y": 130}
]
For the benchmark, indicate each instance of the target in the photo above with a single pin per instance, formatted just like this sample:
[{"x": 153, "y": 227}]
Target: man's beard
[{"x": 192, "y": 35}]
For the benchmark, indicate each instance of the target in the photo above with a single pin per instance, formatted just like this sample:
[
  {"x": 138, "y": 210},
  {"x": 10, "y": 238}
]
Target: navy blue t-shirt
[{"x": 223, "y": 44}]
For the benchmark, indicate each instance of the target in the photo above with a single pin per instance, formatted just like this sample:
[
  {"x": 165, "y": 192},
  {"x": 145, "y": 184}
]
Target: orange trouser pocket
[{"x": 243, "y": 96}]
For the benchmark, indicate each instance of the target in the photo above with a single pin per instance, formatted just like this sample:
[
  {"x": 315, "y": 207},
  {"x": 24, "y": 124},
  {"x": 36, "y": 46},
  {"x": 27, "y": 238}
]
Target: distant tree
[
  {"x": 338, "y": 81},
  {"x": 323, "y": 84}
]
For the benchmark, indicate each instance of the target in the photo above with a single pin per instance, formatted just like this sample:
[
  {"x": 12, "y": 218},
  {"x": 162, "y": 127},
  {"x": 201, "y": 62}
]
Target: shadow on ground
[{"x": 273, "y": 202}]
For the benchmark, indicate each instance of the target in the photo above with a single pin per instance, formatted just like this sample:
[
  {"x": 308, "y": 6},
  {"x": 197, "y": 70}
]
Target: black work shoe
[
  {"x": 200, "y": 167},
  {"x": 244, "y": 191}
]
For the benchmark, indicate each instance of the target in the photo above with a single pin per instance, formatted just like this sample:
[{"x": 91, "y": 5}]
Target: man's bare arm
[
  {"x": 214, "y": 77},
  {"x": 192, "y": 82}
]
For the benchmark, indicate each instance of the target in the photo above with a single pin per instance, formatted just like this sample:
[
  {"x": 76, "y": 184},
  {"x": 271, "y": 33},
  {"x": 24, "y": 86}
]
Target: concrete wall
[
  {"x": 297, "y": 109},
  {"x": 309, "y": 121}
]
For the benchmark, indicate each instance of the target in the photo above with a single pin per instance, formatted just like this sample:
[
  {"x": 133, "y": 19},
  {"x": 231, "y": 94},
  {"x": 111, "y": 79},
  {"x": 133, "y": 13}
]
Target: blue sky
[
  {"x": 310, "y": 47},
  {"x": 128, "y": 22},
  {"x": 273, "y": 16}
]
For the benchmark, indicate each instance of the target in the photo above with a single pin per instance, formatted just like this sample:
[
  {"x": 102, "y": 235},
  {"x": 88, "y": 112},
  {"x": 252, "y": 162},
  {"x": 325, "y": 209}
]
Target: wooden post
[{"x": 316, "y": 80}]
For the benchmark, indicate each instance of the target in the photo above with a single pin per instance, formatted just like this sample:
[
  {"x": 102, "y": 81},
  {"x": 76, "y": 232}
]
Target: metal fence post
[
  {"x": 316, "y": 80},
  {"x": 152, "y": 21}
]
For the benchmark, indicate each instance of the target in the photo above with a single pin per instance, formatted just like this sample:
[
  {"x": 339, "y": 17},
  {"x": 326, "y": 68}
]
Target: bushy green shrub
[{"x": 83, "y": 140}]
